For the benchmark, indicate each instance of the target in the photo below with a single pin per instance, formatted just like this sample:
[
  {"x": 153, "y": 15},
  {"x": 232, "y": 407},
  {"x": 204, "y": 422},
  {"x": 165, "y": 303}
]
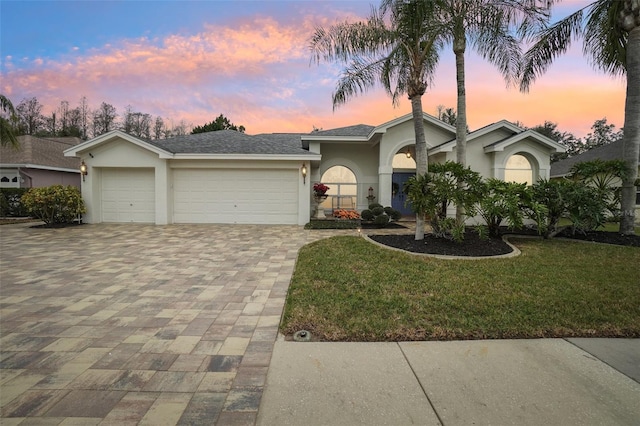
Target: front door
[{"x": 398, "y": 197}]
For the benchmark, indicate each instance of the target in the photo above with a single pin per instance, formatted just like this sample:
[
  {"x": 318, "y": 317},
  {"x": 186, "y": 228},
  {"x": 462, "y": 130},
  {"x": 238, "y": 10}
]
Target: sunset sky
[{"x": 249, "y": 60}]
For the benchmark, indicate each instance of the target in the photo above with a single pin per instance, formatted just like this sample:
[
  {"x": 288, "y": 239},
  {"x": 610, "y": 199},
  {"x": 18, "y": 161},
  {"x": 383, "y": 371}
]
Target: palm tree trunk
[
  {"x": 459, "y": 46},
  {"x": 422, "y": 161},
  {"x": 631, "y": 142}
]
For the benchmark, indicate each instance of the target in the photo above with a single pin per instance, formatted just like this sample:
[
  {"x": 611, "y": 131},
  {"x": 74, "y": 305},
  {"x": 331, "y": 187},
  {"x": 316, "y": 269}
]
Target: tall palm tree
[
  {"x": 7, "y": 135},
  {"x": 610, "y": 30},
  {"x": 400, "y": 53},
  {"x": 493, "y": 29}
]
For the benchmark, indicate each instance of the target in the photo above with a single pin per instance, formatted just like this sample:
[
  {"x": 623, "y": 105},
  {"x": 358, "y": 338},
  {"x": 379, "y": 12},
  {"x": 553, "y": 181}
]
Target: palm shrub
[
  {"x": 604, "y": 177},
  {"x": 557, "y": 199},
  {"x": 54, "y": 204},
  {"x": 502, "y": 201},
  {"x": 445, "y": 185}
]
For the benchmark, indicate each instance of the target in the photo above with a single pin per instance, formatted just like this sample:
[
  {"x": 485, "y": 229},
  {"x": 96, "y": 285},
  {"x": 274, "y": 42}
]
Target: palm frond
[
  {"x": 604, "y": 40},
  {"x": 552, "y": 42}
]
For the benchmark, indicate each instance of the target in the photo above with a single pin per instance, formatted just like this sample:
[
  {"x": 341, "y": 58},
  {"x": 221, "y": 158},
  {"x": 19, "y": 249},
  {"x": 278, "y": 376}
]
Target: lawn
[{"x": 347, "y": 289}]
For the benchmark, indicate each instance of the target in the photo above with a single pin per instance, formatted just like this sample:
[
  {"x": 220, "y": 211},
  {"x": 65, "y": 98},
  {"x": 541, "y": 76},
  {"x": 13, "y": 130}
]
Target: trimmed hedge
[{"x": 54, "y": 204}]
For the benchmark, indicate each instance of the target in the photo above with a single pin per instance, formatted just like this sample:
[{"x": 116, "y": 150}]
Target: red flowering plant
[{"x": 319, "y": 189}]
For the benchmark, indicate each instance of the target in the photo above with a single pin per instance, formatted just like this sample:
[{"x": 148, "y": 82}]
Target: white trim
[
  {"x": 500, "y": 146},
  {"x": 407, "y": 117},
  {"x": 35, "y": 166},
  {"x": 77, "y": 150},
  {"x": 285, "y": 157}
]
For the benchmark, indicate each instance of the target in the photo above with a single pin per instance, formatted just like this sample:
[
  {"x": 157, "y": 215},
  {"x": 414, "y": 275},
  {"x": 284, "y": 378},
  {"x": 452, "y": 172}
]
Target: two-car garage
[
  {"x": 202, "y": 195},
  {"x": 222, "y": 177}
]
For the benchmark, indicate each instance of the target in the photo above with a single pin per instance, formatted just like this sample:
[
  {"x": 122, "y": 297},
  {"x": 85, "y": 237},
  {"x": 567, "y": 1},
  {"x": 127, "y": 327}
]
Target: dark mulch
[
  {"x": 57, "y": 225},
  {"x": 605, "y": 237},
  {"x": 474, "y": 246},
  {"x": 471, "y": 246}
]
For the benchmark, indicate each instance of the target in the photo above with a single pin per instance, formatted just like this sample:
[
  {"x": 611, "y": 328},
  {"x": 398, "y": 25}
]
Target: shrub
[
  {"x": 367, "y": 215},
  {"x": 381, "y": 220},
  {"x": 502, "y": 201},
  {"x": 380, "y": 216},
  {"x": 566, "y": 199},
  {"x": 377, "y": 211},
  {"x": 10, "y": 202},
  {"x": 54, "y": 204},
  {"x": 446, "y": 184}
]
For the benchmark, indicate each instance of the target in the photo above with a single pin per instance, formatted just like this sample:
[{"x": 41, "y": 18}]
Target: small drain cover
[{"x": 302, "y": 336}]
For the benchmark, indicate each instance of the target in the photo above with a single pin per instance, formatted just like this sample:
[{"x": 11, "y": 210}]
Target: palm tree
[
  {"x": 610, "y": 31},
  {"x": 400, "y": 53},
  {"x": 492, "y": 28},
  {"x": 7, "y": 136}
]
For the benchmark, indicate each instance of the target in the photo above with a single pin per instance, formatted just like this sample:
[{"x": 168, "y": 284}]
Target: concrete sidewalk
[{"x": 497, "y": 382}]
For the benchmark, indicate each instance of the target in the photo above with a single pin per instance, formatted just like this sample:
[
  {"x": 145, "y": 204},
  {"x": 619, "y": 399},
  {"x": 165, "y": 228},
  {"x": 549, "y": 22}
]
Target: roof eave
[
  {"x": 269, "y": 157},
  {"x": 77, "y": 150}
]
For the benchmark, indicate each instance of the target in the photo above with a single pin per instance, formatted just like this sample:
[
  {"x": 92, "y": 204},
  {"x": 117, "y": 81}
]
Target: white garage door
[
  {"x": 128, "y": 195},
  {"x": 235, "y": 196}
]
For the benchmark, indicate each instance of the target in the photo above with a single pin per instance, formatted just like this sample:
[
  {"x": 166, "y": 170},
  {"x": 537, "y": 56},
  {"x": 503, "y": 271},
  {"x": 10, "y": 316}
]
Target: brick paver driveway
[{"x": 137, "y": 324}]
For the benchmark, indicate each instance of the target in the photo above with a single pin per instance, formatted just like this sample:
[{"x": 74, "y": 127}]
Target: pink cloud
[{"x": 256, "y": 72}]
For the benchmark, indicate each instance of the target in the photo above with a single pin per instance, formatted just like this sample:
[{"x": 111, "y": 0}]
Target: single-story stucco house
[
  {"x": 231, "y": 177},
  {"x": 39, "y": 162}
]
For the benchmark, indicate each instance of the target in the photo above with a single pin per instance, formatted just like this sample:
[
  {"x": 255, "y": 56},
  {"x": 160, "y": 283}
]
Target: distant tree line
[{"x": 85, "y": 122}]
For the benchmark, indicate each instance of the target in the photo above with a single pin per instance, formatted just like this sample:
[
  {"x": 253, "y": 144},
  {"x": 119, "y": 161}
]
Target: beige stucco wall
[{"x": 122, "y": 154}]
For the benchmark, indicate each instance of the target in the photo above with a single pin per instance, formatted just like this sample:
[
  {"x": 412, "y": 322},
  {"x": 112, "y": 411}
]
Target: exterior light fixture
[
  {"x": 303, "y": 170},
  {"x": 408, "y": 153},
  {"x": 83, "y": 170}
]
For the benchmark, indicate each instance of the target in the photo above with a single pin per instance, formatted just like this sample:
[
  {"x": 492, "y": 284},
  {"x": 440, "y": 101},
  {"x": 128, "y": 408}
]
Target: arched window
[
  {"x": 401, "y": 161},
  {"x": 343, "y": 188},
  {"x": 518, "y": 169}
]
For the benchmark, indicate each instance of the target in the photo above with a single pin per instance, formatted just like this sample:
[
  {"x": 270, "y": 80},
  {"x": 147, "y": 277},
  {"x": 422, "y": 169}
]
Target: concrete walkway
[
  {"x": 498, "y": 382},
  {"x": 136, "y": 324}
]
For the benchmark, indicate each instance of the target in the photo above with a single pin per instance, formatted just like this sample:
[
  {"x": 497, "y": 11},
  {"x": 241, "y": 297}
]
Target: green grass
[{"x": 347, "y": 289}]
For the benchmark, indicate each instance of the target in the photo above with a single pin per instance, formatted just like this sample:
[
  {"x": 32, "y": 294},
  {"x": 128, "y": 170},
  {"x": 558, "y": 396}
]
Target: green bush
[
  {"x": 567, "y": 199},
  {"x": 377, "y": 211},
  {"x": 10, "y": 202},
  {"x": 381, "y": 220},
  {"x": 367, "y": 215},
  {"x": 54, "y": 204},
  {"x": 446, "y": 184},
  {"x": 380, "y": 216}
]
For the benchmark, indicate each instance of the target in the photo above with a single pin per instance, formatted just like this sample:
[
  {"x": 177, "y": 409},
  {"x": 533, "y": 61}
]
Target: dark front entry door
[{"x": 398, "y": 197}]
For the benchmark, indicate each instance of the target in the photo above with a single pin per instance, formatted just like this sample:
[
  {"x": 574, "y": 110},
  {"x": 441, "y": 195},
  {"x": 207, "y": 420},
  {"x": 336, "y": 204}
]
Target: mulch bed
[
  {"x": 474, "y": 246},
  {"x": 605, "y": 237},
  {"x": 471, "y": 246}
]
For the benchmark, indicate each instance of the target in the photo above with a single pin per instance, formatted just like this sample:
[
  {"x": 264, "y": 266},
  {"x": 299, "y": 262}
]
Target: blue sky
[{"x": 192, "y": 60}]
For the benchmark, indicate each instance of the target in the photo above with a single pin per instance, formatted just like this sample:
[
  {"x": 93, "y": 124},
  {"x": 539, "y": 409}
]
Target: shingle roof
[
  {"x": 232, "y": 142},
  {"x": 357, "y": 130},
  {"x": 48, "y": 152},
  {"x": 612, "y": 151}
]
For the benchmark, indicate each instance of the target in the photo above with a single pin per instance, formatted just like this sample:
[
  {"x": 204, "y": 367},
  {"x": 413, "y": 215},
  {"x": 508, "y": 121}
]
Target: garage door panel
[
  {"x": 236, "y": 196},
  {"x": 128, "y": 195}
]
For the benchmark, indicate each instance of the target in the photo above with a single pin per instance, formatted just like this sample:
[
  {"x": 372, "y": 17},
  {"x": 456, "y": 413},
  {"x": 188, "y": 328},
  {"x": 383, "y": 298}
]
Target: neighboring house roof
[
  {"x": 612, "y": 151},
  {"x": 43, "y": 153}
]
